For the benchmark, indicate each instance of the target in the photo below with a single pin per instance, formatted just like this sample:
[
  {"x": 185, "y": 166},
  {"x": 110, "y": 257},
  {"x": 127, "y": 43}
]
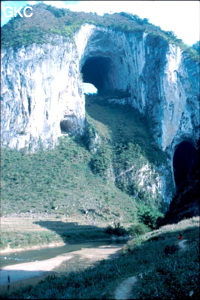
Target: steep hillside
[
  {"x": 108, "y": 175},
  {"x": 62, "y": 178}
]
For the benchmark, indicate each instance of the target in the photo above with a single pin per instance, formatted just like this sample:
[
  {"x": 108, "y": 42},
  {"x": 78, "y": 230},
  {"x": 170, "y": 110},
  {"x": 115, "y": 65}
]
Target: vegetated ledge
[{"x": 48, "y": 21}]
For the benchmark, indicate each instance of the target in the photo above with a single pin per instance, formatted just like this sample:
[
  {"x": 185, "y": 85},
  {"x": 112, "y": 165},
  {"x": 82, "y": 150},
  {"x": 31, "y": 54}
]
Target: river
[{"x": 30, "y": 267}]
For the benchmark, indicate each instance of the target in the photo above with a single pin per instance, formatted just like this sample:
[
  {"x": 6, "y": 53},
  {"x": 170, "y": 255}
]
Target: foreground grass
[{"x": 168, "y": 271}]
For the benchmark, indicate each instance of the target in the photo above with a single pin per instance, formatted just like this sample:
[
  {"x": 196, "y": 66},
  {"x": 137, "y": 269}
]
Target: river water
[
  {"x": 44, "y": 254},
  {"x": 47, "y": 253}
]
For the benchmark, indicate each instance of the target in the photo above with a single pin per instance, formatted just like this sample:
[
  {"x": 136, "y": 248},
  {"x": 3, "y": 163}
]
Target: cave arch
[
  {"x": 98, "y": 71},
  {"x": 185, "y": 162}
]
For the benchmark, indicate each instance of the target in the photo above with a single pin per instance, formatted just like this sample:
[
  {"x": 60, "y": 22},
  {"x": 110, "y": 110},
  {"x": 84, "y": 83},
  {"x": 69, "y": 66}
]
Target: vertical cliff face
[
  {"x": 163, "y": 82},
  {"x": 42, "y": 92},
  {"x": 42, "y": 95}
]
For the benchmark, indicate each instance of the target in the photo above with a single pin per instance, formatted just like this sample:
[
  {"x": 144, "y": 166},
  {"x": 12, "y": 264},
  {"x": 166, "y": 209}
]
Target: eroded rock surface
[{"x": 42, "y": 92}]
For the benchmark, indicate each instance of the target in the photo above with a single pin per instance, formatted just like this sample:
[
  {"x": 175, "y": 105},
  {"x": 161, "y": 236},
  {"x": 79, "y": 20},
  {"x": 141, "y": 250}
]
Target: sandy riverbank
[
  {"x": 29, "y": 270},
  {"x": 24, "y": 271}
]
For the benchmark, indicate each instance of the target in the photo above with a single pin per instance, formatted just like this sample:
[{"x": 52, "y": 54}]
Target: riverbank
[
  {"x": 22, "y": 271},
  {"x": 35, "y": 232},
  {"x": 165, "y": 267}
]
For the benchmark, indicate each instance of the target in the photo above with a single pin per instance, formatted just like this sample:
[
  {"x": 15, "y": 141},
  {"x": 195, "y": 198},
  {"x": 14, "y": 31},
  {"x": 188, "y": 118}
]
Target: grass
[
  {"x": 25, "y": 240},
  {"x": 72, "y": 182},
  {"x": 57, "y": 182},
  {"x": 167, "y": 274},
  {"x": 26, "y": 233}
]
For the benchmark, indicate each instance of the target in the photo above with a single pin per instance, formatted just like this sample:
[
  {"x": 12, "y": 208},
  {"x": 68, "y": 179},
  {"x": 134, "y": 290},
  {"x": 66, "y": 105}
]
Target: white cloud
[
  {"x": 32, "y": 2},
  {"x": 58, "y": 4}
]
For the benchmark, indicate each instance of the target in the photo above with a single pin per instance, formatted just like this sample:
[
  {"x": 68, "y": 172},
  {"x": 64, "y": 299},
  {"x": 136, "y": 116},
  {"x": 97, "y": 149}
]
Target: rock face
[
  {"x": 42, "y": 95},
  {"x": 42, "y": 90}
]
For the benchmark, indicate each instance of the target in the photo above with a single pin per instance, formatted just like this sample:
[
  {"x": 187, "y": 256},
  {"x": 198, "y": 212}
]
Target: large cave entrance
[
  {"x": 97, "y": 71},
  {"x": 185, "y": 162}
]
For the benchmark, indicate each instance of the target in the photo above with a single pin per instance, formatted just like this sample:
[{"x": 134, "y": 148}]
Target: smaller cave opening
[
  {"x": 185, "y": 162},
  {"x": 65, "y": 126},
  {"x": 97, "y": 71}
]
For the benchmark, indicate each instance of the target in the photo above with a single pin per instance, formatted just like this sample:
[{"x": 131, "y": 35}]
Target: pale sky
[{"x": 181, "y": 17}]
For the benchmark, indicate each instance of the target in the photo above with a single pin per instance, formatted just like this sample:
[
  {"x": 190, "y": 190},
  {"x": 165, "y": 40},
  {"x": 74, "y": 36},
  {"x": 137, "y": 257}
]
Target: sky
[{"x": 181, "y": 17}]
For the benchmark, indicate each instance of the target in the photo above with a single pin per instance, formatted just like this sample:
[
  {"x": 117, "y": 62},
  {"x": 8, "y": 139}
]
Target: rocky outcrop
[{"x": 42, "y": 93}]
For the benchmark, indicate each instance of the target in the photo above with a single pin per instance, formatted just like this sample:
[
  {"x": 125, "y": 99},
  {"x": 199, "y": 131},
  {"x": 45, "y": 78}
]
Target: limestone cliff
[
  {"x": 42, "y": 88},
  {"x": 42, "y": 92}
]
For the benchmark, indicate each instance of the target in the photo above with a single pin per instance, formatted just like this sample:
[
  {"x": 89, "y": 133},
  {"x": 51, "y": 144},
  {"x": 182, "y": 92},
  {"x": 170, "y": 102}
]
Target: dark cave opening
[
  {"x": 96, "y": 71},
  {"x": 185, "y": 162}
]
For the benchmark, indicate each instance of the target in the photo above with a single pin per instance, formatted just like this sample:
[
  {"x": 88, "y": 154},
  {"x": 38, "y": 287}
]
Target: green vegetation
[
  {"x": 73, "y": 182},
  {"x": 48, "y": 21},
  {"x": 163, "y": 269},
  {"x": 126, "y": 147},
  {"x": 25, "y": 240},
  {"x": 148, "y": 216},
  {"x": 124, "y": 129},
  {"x": 100, "y": 162},
  {"x": 60, "y": 182},
  {"x": 117, "y": 230}
]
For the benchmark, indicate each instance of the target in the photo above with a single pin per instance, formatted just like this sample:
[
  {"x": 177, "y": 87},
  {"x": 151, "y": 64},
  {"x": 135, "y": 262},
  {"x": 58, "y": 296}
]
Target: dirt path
[
  {"x": 24, "y": 271},
  {"x": 124, "y": 289},
  {"x": 182, "y": 244}
]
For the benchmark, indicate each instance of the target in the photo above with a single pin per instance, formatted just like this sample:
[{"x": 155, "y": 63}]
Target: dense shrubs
[
  {"x": 116, "y": 230},
  {"x": 138, "y": 229},
  {"x": 148, "y": 216},
  {"x": 100, "y": 162}
]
